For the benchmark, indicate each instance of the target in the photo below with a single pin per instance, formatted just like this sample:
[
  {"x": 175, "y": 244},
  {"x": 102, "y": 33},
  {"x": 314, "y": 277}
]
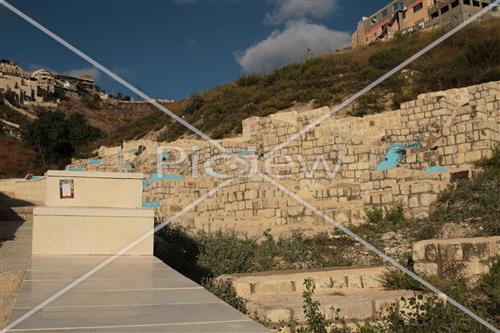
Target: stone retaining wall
[{"x": 449, "y": 129}]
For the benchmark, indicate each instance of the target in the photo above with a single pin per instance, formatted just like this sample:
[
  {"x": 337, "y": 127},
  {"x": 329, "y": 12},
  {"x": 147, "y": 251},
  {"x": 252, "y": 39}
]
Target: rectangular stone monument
[{"x": 92, "y": 213}]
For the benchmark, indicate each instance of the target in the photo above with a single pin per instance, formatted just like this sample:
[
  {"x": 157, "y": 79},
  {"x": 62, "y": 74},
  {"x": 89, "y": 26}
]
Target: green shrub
[
  {"x": 380, "y": 220},
  {"x": 225, "y": 253},
  {"x": 473, "y": 201},
  {"x": 225, "y": 291},
  {"x": 195, "y": 103},
  {"x": 56, "y": 137},
  {"x": 375, "y": 215},
  {"x": 248, "y": 80},
  {"x": 203, "y": 255},
  {"x": 387, "y": 58},
  {"x": 316, "y": 321},
  {"x": 489, "y": 288},
  {"x": 395, "y": 279}
]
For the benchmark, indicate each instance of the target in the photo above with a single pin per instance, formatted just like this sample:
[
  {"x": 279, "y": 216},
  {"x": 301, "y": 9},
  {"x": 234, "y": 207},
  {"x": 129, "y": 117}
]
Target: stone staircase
[{"x": 276, "y": 297}]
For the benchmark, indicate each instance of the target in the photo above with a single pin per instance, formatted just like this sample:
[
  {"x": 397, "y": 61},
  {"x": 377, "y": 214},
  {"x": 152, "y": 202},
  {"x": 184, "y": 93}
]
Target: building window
[
  {"x": 455, "y": 4},
  {"x": 445, "y": 9},
  {"x": 418, "y": 7},
  {"x": 435, "y": 14},
  {"x": 484, "y": 4},
  {"x": 467, "y": 2},
  {"x": 476, "y": 3}
]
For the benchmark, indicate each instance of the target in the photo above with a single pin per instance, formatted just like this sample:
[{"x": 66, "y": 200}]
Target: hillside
[
  {"x": 108, "y": 116},
  {"x": 16, "y": 158},
  {"x": 469, "y": 57},
  {"x": 18, "y": 155}
]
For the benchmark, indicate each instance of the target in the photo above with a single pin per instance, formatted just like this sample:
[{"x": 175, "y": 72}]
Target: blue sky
[{"x": 172, "y": 49}]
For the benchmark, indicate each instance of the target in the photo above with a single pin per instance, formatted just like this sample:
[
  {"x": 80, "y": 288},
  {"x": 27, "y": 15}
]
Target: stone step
[
  {"x": 354, "y": 305},
  {"x": 256, "y": 285}
]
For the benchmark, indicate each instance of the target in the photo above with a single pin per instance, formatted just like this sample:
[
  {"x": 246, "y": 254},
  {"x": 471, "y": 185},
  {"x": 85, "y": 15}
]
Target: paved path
[
  {"x": 15, "y": 255},
  {"x": 133, "y": 294}
]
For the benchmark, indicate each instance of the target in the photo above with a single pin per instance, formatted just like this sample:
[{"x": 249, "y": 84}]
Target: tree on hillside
[{"x": 56, "y": 137}]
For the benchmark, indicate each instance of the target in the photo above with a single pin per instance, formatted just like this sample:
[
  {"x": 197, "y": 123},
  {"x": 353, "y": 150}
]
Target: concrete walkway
[
  {"x": 132, "y": 294},
  {"x": 15, "y": 254}
]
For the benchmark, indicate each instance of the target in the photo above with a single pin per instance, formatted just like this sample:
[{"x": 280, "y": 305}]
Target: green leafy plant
[
  {"x": 56, "y": 137},
  {"x": 225, "y": 291},
  {"x": 316, "y": 321}
]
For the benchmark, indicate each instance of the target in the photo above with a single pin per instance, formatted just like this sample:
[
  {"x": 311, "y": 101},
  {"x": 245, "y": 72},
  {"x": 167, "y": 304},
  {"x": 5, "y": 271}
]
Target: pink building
[{"x": 410, "y": 15}]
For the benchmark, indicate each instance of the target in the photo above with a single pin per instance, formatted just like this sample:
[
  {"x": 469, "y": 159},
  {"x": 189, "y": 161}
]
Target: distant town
[
  {"x": 42, "y": 87},
  {"x": 406, "y": 16}
]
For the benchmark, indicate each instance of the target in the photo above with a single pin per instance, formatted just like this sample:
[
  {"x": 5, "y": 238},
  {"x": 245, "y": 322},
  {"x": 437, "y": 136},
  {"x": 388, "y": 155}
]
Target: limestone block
[
  {"x": 354, "y": 281},
  {"x": 451, "y": 251},
  {"x": 472, "y": 156},
  {"x": 295, "y": 211},
  {"x": 386, "y": 198},
  {"x": 242, "y": 288},
  {"x": 419, "y": 250},
  {"x": 421, "y": 187},
  {"x": 426, "y": 269},
  {"x": 473, "y": 270},
  {"x": 251, "y": 194},
  {"x": 370, "y": 281},
  {"x": 359, "y": 310},
  {"x": 413, "y": 201},
  {"x": 323, "y": 283},
  {"x": 342, "y": 217},
  {"x": 476, "y": 251},
  {"x": 338, "y": 282},
  {"x": 278, "y": 315},
  {"x": 273, "y": 287},
  {"x": 426, "y": 199}
]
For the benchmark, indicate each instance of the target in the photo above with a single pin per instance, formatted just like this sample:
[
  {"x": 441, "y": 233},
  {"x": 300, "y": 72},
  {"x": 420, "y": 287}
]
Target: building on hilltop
[
  {"x": 42, "y": 85},
  {"x": 454, "y": 12},
  {"x": 404, "y": 16},
  {"x": 13, "y": 78}
]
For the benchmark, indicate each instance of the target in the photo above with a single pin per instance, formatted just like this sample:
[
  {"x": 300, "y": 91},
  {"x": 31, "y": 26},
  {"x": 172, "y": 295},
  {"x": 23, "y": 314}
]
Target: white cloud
[
  {"x": 78, "y": 72},
  {"x": 296, "y": 9},
  {"x": 291, "y": 45}
]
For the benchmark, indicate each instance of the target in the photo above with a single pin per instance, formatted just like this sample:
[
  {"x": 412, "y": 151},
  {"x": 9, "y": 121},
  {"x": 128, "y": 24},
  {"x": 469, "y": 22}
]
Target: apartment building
[
  {"x": 454, "y": 12},
  {"x": 405, "y": 16},
  {"x": 41, "y": 84},
  {"x": 14, "y": 78}
]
